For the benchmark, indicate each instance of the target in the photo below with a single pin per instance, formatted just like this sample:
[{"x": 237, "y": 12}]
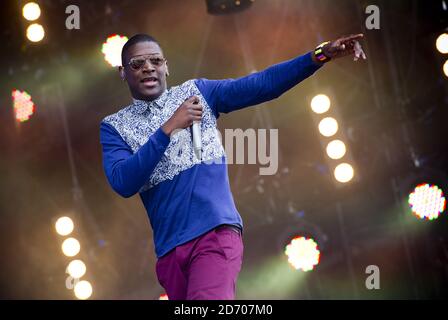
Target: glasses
[{"x": 138, "y": 63}]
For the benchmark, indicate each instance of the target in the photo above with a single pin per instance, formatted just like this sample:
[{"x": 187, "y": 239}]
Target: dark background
[{"x": 393, "y": 108}]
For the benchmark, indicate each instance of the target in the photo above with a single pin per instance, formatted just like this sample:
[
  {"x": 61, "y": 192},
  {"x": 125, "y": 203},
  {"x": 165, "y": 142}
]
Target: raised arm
[{"x": 228, "y": 95}]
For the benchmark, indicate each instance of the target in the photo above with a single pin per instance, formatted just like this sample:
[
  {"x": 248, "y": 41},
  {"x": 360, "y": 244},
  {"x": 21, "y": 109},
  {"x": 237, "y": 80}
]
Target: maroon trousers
[{"x": 205, "y": 268}]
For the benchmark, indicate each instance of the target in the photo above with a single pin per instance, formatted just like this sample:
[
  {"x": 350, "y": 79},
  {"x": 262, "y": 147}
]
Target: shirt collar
[{"x": 142, "y": 105}]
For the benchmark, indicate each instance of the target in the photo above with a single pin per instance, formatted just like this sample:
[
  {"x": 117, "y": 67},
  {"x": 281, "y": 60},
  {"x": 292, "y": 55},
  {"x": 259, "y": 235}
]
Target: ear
[
  {"x": 122, "y": 74},
  {"x": 167, "y": 70}
]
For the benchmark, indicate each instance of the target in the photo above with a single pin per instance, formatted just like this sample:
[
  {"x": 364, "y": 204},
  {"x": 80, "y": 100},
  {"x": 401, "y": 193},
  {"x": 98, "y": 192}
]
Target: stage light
[
  {"x": 35, "y": 32},
  {"x": 427, "y": 201},
  {"x": 112, "y": 49},
  {"x": 71, "y": 247},
  {"x": 23, "y": 105},
  {"x": 332, "y": 138},
  {"x": 328, "y": 126},
  {"x": 163, "y": 297},
  {"x": 64, "y": 226},
  {"x": 336, "y": 149},
  {"x": 303, "y": 253},
  {"x": 31, "y": 11},
  {"x": 442, "y": 43},
  {"x": 76, "y": 269},
  {"x": 445, "y": 68},
  {"x": 343, "y": 172},
  {"x": 83, "y": 290},
  {"x": 320, "y": 104}
]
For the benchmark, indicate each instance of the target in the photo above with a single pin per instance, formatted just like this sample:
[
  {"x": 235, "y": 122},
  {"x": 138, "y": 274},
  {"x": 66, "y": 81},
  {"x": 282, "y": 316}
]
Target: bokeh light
[
  {"x": 83, "y": 290},
  {"x": 344, "y": 172},
  {"x": 23, "y": 105},
  {"x": 71, "y": 247},
  {"x": 303, "y": 253},
  {"x": 35, "y": 32},
  {"x": 442, "y": 43},
  {"x": 31, "y": 11},
  {"x": 320, "y": 104},
  {"x": 163, "y": 297},
  {"x": 445, "y": 68},
  {"x": 64, "y": 226},
  {"x": 328, "y": 126},
  {"x": 336, "y": 149},
  {"x": 76, "y": 269},
  {"x": 112, "y": 49},
  {"x": 427, "y": 201}
]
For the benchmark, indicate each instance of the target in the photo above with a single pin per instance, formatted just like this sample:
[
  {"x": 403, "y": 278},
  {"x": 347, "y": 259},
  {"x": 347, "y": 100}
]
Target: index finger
[
  {"x": 193, "y": 99},
  {"x": 352, "y": 37}
]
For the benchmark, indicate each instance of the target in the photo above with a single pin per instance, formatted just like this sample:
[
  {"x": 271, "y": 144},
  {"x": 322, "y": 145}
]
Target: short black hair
[{"x": 141, "y": 37}]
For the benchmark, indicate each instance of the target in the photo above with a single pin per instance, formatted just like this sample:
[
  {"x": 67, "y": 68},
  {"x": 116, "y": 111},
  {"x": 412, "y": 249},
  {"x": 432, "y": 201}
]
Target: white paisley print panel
[{"x": 138, "y": 121}]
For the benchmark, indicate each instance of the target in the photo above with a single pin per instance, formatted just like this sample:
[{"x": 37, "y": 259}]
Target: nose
[{"x": 148, "y": 66}]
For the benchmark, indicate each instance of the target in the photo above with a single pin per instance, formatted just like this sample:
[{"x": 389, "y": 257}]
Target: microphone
[{"x": 197, "y": 143}]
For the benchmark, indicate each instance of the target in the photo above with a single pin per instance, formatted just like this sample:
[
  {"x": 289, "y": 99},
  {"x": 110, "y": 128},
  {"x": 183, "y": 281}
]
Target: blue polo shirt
[{"x": 186, "y": 197}]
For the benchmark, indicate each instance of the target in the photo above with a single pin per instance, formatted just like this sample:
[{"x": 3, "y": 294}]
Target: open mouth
[{"x": 150, "y": 81}]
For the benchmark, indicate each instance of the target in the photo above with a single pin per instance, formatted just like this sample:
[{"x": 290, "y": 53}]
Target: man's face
[{"x": 146, "y": 79}]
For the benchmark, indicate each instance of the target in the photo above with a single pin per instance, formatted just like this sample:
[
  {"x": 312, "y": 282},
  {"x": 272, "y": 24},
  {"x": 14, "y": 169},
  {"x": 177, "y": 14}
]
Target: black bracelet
[{"x": 319, "y": 53}]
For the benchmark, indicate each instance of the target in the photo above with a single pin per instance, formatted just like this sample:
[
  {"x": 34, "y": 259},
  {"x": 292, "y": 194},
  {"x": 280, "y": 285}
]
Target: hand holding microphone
[{"x": 188, "y": 114}]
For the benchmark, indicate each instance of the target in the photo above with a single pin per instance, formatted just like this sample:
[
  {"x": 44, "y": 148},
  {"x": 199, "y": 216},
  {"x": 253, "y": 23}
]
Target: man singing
[{"x": 148, "y": 149}]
